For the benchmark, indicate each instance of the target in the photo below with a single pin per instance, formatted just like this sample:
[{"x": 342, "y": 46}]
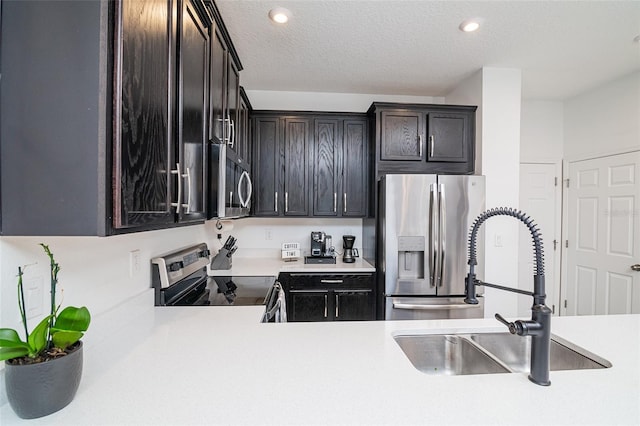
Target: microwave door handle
[
  {"x": 249, "y": 190},
  {"x": 442, "y": 237},
  {"x": 240, "y": 197},
  {"x": 432, "y": 252}
]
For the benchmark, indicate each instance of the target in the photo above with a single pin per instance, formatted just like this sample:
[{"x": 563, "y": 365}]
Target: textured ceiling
[{"x": 414, "y": 47}]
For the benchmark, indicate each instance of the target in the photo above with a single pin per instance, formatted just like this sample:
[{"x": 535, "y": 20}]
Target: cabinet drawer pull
[
  {"x": 276, "y": 202},
  {"x": 335, "y": 202},
  {"x": 420, "y": 146},
  {"x": 344, "y": 202},
  {"x": 326, "y": 299},
  {"x": 331, "y": 281},
  {"x": 286, "y": 202},
  {"x": 337, "y": 304}
]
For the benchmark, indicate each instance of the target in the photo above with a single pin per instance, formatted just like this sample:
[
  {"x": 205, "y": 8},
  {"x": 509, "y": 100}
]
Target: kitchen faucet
[{"x": 539, "y": 327}]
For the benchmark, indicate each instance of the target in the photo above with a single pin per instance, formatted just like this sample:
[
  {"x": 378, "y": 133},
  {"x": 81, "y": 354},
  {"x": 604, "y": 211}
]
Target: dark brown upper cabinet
[
  {"x": 160, "y": 132},
  {"x": 420, "y": 138},
  {"x": 340, "y": 167},
  {"x": 113, "y": 129},
  {"x": 310, "y": 164}
]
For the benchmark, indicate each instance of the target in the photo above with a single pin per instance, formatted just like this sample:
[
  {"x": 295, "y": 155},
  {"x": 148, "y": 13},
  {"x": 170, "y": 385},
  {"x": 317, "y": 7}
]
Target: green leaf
[
  {"x": 10, "y": 353},
  {"x": 9, "y": 339},
  {"x": 64, "y": 339},
  {"x": 38, "y": 337},
  {"x": 72, "y": 319}
]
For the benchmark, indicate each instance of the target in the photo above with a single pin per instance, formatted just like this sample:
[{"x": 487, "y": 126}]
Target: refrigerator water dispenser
[{"x": 411, "y": 257}]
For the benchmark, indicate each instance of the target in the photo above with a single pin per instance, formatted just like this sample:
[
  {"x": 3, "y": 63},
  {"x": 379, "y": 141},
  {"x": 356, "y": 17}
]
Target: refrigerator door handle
[
  {"x": 442, "y": 235},
  {"x": 433, "y": 249},
  {"x": 413, "y": 306}
]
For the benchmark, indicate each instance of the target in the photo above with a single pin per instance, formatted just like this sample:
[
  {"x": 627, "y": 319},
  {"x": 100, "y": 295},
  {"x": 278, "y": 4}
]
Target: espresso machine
[
  {"x": 321, "y": 249},
  {"x": 349, "y": 255}
]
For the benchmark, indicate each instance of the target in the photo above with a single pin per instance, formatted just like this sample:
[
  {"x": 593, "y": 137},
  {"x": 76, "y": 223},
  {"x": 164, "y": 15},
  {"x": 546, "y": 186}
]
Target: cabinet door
[
  {"x": 266, "y": 166},
  {"x": 141, "y": 122},
  {"x": 296, "y": 166},
  {"x": 242, "y": 132},
  {"x": 218, "y": 88},
  {"x": 354, "y": 305},
  {"x": 233, "y": 97},
  {"x": 354, "y": 169},
  {"x": 325, "y": 167},
  {"x": 193, "y": 55},
  {"x": 308, "y": 306},
  {"x": 401, "y": 136},
  {"x": 448, "y": 137}
]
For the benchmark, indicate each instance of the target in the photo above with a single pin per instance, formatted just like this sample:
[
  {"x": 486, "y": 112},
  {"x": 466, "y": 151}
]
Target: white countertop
[
  {"x": 269, "y": 266},
  {"x": 219, "y": 365}
]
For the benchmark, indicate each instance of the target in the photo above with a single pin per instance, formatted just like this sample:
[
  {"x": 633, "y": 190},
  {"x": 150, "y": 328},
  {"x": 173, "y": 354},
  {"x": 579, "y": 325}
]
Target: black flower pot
[{"x": 36, "y": 390}]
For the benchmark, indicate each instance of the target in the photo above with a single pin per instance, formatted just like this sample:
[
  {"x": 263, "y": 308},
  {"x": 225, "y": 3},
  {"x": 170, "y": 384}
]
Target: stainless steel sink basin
[
  {"x": 443, "y": 354},
  {"x": 515, "y": 352},
  {"x": 487, "y": 353}
]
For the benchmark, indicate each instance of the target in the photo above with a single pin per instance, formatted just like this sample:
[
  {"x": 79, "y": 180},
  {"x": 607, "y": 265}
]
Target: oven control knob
[
  {"x": 175, "y": 266},
  {"x": 205, "y": 253}
]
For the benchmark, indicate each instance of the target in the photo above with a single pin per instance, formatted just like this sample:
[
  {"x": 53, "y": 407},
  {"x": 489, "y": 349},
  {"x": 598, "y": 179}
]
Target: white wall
[
  {"x": 497, "y": 92},
  {"x": 541, "y": 132},
  {"x": 603, "y": 121},
  {"x": 337, "y": 102}
]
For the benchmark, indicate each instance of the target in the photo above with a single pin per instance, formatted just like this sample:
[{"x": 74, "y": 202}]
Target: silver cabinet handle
[
  {"x": 636, "y": 267},
  {"x": 276, "y": 202},
  {"x": 326, "y": 299},
  {"x": 286, "y": 201},
  {"x": 331, "y": 281},
  {"x": 420, "y": 146},
  {"x": 432, "y": 141},
  {"x": 335, "y": 202},
  {"x": 411, "y": 306},
  {"x": 232, "y": 138},
  {"x": 188, "y": 205},
  {"x": 249, "y": 191},
  {"x": 178, "y": 203},
  {"x": 442, "y": 237},
  {"x": 344, "y": 202},
  {"x": 337, "y": 304},
  {"x": 230, "y": 198}
]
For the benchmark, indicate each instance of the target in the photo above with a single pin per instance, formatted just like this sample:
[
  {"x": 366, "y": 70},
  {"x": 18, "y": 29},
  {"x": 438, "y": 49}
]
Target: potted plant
[{"x": 43, "y": 371}]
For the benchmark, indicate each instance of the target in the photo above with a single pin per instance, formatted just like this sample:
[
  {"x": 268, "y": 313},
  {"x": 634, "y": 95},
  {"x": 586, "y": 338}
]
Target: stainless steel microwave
[{"x": 229, "y": 184}]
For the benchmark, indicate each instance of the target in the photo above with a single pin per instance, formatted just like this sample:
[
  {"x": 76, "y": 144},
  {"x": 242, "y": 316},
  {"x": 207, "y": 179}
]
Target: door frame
[
  {"x": 556, "y": 297},
  {"x": 565, "y": 215}
]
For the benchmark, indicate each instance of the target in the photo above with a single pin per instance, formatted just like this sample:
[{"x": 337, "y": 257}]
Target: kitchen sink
[
  {"x": 488, "y": 353},
  {"x": 515, "y": 352},
  {"x": 445, "y": 354}
]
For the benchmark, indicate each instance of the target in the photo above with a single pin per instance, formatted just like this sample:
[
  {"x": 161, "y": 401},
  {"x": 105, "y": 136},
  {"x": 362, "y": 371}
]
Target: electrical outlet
[
  {"x": 33, "y": 294},
  {"x": 498, "y": 240},
  {"x": 268, "y": 234},
  {"x": 134, "y": 263}
]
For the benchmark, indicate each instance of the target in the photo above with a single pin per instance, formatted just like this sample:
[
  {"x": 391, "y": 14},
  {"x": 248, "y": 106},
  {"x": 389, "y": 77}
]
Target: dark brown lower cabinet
[{"x": 329, "y": 297}]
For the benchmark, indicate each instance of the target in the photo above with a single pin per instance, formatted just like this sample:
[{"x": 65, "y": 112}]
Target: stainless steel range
[{"x": 180, "y": 279}]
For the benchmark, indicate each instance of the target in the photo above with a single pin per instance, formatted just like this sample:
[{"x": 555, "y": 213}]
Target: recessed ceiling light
[
  {"x": 469, "y": 25},
  {"x": 280, "y": 15}
]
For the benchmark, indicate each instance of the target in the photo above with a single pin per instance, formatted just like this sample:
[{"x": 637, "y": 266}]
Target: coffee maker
[
  {"x": 349, "y": 255},
  {"x": 318, "y": 243}
]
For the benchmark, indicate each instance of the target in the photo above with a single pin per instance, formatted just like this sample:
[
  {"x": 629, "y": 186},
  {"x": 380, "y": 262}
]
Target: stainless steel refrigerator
[{"x": 422, "y": 238}]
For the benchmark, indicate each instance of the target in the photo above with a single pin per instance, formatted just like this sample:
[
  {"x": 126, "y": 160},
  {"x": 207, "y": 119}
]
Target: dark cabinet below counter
[{"x": 329, "y": 296}]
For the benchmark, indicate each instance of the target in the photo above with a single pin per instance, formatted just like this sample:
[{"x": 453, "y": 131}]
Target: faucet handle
[{"x": 514, "y": 327}]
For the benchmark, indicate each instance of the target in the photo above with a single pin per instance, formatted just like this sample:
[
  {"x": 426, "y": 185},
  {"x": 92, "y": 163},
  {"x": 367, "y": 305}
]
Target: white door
[
  {"x": 540, "y": 199},
  {"x": 603, "y": 236}
]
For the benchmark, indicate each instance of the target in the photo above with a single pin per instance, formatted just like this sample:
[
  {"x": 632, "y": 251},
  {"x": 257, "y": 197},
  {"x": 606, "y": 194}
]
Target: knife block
[{"x": 222, "y": 260}]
